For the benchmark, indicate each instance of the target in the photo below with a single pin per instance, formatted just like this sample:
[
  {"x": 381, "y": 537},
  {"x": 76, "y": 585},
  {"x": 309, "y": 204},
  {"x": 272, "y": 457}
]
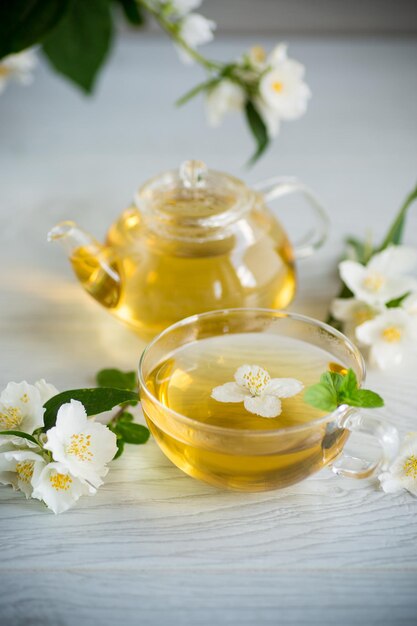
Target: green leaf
[
  {"x": 358, "y": 248},
  {"x": 349, "y": 383},
  {"x": 24, "y": 23},
  {"x": 132, "y": 433},
  {"x": 95, "y": 401},
  {"x": 335, "y": 389},
  {"x": 116, "y": 378},
  {"x": 205, "y": 86},
  {"x": 78, "y": 46},
  {"x": 321, "y": 397},
  {"x": 132, "y": 11},
  {"x": 394, "y": 235},
  {"x": 258, "y": 129},
  {"x": 126, "y": 417},
  {"x": 120, "y": 447},
  {"x": 366, "y": 399},
  {"x": 19, "y": 433},
  {"x": 396, "y": 302}
]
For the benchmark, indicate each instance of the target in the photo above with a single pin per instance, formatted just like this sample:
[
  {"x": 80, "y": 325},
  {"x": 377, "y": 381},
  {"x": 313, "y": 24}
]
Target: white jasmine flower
[
  {"x": 259, "y": 392},
  {"x": 384, "y": 278},
  {"x": 226, "y": 96},
  {"x": 81, "y": 445},
  {"x": 352, "y": 310},
  {"x": 403, "y": 472},
  {"x": 195, "y": 30},
  {"x": 278, "y": 55},
  {"x": 389, "y": 336},
  {"x": 21, "y": 408},
  {"x": 283, "y": 90},
  {"x": 17, "y": 67},
  {"x": 17, "y": 468},
  {"x": 182, "y": 7},
  {"x": 57, "y": 487}
]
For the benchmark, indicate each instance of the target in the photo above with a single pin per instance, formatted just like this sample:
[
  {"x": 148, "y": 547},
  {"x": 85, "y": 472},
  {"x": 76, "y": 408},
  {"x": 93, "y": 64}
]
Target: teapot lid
[{"x": 193, "y": 198}]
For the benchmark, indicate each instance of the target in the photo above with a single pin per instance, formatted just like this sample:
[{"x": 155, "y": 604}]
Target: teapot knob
[{"x": 193, "y": 174}]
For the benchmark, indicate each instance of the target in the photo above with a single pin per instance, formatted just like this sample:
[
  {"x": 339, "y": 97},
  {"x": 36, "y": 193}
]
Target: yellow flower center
[
  {"x": 4, "y": 71},
  {"x": 391, "y": 334},
  {"x": 410, "y": 466},
  {"x": 256, "y": 381},
  {"x": 374, "y": 282},
  {"x": 277, "y": 86},
  {"x": 80, "y": 447},
  {"x": 24, "y": 470},
  {"x": 362, "y": 315},
  {"x": 60, "y": 482},
  {"x": 258, "y": 54},
  {"x": 10, "y": 418}
]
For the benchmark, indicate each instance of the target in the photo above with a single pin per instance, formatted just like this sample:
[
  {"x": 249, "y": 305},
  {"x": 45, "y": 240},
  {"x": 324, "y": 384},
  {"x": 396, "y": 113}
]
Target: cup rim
[{"x": 334, "y": 415}]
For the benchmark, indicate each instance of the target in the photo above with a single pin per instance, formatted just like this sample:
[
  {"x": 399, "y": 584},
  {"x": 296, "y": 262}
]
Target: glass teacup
[{"x": 224, "y": 443}]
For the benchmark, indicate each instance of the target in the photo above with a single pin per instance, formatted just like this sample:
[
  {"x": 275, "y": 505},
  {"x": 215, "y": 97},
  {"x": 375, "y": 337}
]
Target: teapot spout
[{"x": 93, "y": 264}]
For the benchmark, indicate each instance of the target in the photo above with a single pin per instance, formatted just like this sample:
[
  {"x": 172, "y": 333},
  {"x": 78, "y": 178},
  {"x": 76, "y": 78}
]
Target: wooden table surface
[{"x": 155, "y": 546}]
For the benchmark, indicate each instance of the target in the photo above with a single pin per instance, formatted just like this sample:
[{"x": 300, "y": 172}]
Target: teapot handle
[{"x": 282, "y": 186}]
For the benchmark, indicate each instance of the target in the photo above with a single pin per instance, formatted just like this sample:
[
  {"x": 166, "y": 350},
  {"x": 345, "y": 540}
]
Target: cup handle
[
  {"x": 282, "y": 186},
  {"x": 386, "y": 435}
]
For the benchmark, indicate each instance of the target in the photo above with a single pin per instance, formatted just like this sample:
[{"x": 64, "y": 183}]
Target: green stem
[
  {"x": 172, "y": 30},
  {"x": 118, "y": 413},
  {"x": 394, "y": 234}
]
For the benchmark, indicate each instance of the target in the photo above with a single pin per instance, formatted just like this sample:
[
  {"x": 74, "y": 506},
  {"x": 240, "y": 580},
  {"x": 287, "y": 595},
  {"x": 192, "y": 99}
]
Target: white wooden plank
[
  {"x": 199, "y": 597},
  {"x": 155, "y": 545}
]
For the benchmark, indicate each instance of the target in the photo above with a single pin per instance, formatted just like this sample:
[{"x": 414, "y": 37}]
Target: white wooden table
[{"x": 154, "y": 546}]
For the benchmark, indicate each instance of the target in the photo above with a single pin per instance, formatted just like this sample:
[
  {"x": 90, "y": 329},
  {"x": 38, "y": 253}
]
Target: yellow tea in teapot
[
  {"x": 225, "y": 440},
  {"x": 165, "y": 279}
]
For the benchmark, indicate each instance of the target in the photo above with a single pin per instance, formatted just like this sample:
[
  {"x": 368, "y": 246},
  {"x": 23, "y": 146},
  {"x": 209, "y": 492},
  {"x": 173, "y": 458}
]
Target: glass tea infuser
[{"x": 194, "y": 240}]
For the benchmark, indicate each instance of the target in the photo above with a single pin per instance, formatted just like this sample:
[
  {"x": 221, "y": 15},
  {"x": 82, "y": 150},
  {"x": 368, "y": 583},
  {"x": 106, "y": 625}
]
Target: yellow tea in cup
[{"x": 221, "y": 441}]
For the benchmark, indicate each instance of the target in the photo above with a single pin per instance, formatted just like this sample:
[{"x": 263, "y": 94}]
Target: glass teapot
[{"x": 194, "y": 240}]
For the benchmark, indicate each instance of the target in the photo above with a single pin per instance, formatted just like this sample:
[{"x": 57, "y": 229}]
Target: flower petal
[
  {"x": 390, "y": 483},
  {"x": 71, "y": 417},
  {"x": 46, "y": 390},
  {"x": 394, "y": 260},
  {"x": 352, "y": 274},
  {"x": 284, "y": 387},
  {"x": 265, "y": 406},
  {"x": 229, "y": 392},
  {"x": 387, "y": 355}
]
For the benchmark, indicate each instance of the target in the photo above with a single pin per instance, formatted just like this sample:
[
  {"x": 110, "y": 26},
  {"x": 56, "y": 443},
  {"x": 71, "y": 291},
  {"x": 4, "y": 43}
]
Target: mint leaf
[
  {"x": 321, "y": 397},
  {"x": 258, "y": 129},
  {"x": 366, "y": 399},
  {"x": 19, "y": 433},
  {"x": 332, "y": 379},
  {"x": 78, "y": 46},
  {"x": 335, "y": 389},
  {"x": 132, "y": 433},
  {"x": 112, "y": 377},
  {"x": 26, "y": 22},
  {"x": 95, "y": 401},
  {"x": 349, "y": 383}
]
